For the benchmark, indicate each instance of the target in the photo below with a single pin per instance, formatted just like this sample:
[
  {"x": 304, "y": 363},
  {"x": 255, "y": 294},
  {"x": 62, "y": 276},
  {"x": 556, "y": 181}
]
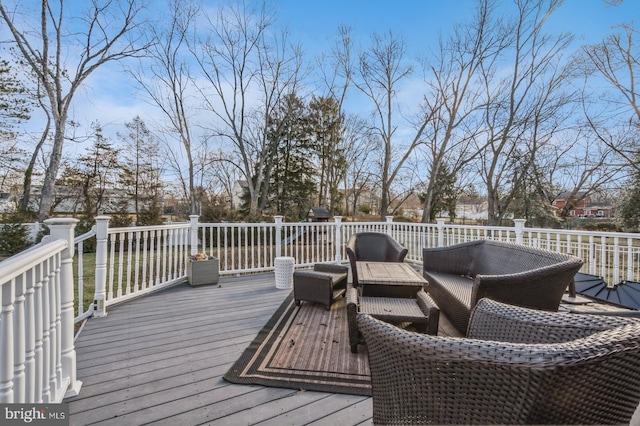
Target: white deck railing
[
  {"x": 38, "y": 305},
  {"x": 37, "y": 356}
]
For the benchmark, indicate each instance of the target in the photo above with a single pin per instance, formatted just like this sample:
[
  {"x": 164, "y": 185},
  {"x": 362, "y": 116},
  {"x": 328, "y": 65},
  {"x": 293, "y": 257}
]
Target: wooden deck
[{"x": 160, "y": 359}]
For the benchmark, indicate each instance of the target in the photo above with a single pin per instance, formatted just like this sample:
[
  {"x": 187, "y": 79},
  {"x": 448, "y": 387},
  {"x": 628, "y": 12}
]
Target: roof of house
[{"x": 319, "y": 213}]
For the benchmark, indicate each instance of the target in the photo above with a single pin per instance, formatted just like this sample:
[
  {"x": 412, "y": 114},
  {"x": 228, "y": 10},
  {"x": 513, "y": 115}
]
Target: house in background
[
  {"x": 318, "y": 214},
  {"x": 238, "y": 190},
  {"x": 582, "y": 205}
]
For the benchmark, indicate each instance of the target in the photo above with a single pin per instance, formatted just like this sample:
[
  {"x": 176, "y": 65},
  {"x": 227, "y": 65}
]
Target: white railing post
[
  {"x": 440, "y": 225},
  {"x": 100, "y": 297},
  {"x": 278, "y": 221},
  {"x": 389, "y": 224},
  {"x": 63, "y": 229},
  {"x": 519, "y": 229},
  {"x": 193, "y": 220},
  {"x": 338, "y": 239}
]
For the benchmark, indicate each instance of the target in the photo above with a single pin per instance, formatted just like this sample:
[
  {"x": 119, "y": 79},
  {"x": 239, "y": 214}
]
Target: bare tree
[
  {"x": 170, "y": 82},
  {"x": 363, "y": 145},
  {"x": 616, "y": 60},
  {"x": 453, "y": 98},
  {"x": 381, "y": 71},
  {"x": 248, "y": 67},
  {"x": 525, "y": 104},
  {"x": 336, "y": 67},
  {"x": 106, "y": 33}
]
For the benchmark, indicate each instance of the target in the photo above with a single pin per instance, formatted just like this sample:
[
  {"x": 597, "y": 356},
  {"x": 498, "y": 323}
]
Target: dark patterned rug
[{"x": 307, "y": 348}]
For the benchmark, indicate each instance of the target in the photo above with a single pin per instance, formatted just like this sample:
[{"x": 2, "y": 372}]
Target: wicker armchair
[
  {"x": 462, "y": 274},
  {"x": 375, "y": 247},
  {"x": 520, "y": 366}
]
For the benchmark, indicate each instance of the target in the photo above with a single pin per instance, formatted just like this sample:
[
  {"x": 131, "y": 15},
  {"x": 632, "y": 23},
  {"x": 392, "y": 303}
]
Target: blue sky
[
  {"x": 314, "y": 23},
  {"x": 111, "y": 98}
]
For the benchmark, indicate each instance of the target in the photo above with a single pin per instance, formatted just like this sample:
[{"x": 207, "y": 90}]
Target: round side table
[{"x": 284, "y": 271}]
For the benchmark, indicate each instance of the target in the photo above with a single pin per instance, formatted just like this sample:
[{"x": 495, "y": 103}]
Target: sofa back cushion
[{"x": 498, "y": 258}]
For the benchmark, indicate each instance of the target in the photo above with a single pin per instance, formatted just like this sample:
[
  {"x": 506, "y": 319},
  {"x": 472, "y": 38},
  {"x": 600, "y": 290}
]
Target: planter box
[{"x": 203, "y": 272}]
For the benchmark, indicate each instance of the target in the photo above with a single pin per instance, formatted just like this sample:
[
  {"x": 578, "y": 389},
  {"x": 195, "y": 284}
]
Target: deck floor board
[{"x": 159, "y": 359}]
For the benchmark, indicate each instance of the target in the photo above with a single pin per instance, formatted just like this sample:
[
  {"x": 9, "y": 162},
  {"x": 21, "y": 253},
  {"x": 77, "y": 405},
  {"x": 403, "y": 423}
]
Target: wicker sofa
[
  {"x": 518, "y": 366},
  {"x": 462, "y": 274},
  {"x": 374, "y": 247}
]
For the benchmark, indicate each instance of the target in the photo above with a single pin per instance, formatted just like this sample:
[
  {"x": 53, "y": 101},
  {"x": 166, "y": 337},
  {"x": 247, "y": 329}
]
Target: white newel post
[
  {"x": 63, "y": 229},
  {"x": 389, "y": 224},
  {"x": 193, "y": 220},
  {"x": 440, "y": 225},
  {"x": 278, "y": 220},
  {"x": 338, "y": 239},
  {"x": 100, "y": 297},
  {"x": 519, "y": 229}
]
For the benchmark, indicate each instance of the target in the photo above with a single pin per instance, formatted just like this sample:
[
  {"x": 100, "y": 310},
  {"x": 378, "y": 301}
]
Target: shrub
[{"x": 14, "y": 236}]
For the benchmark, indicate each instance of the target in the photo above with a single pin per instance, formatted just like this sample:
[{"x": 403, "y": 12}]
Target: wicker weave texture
[
  {"x": 422, "y": 379},
  {"x": 462, "y": 274},
  {"x": 422, "y": 312},
  {"x": 323, "y": 284}
]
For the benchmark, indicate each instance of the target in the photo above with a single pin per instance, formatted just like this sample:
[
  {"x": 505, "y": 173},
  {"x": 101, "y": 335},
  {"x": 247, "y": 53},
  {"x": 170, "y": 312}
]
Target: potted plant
[{"x": 203, "y": 269}]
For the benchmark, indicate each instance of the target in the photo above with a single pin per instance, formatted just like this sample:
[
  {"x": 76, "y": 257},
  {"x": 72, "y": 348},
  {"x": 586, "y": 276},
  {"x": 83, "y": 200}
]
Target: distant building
[
  {"x": 7, "y": 203},
  {"x": 318, "y": 214},
  {"x": 237, "y": 192},
  {"x": 581, "y": 205}
]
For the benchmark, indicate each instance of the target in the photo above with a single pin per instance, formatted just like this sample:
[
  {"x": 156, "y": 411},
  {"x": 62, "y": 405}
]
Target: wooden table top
[{"x": 388, "y": 273}]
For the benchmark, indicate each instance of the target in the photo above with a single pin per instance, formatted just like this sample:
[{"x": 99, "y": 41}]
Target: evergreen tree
[
  {"x": 88, "y": 182},
  {"x": 445, "y": 195},
  {"x": 290, "y": 170},
  {"x": 140, "y": 172},
  {"x": 327, "y": 127},
  {"x": 15, "y": 105}
]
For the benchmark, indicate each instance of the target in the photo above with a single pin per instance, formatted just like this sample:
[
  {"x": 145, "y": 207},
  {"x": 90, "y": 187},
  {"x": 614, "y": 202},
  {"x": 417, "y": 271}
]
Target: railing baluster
[
  {"x": 112, "y": 262},
  {"x": 120, "y": 264},
  {"x": 19, "y": 394},
  {"x": 30, "y": 337},
  {"x": 80, "y": 286},
  {"x": 129, "y": 260},
  {"x": 7, "y": 300}
]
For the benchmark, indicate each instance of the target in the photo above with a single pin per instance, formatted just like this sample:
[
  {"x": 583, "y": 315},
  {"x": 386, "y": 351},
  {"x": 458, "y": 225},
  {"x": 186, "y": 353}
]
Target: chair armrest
[
  {"x": 352, "y": 314},
  {"x": 491, "y": 320},
  {"x": 331, "y": 267},
  {"x": 396, "y": 252},
  {"x": 311, "y": 275},
  {"x": 429, "y": 307},
  {"x": 539, "y": 288}
]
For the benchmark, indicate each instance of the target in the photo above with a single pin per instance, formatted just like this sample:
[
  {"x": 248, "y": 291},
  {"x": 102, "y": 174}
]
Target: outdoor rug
[{"x": 305, "y": 347}]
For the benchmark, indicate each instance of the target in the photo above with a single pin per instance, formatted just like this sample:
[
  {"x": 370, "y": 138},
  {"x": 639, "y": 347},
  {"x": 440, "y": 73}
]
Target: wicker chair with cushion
[
  {"x": 462, "y": 274},
  {"x": 325, "y": 283},
  {"x": 519, "y": 366},
  {"x": 373, "y": 247}
]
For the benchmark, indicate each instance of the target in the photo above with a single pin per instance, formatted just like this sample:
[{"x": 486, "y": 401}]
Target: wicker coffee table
[{"x": 422, "y": 312}]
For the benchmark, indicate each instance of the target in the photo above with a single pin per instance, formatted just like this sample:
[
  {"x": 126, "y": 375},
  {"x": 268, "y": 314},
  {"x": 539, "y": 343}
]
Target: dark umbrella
[{"x": 625, "y": 293}]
